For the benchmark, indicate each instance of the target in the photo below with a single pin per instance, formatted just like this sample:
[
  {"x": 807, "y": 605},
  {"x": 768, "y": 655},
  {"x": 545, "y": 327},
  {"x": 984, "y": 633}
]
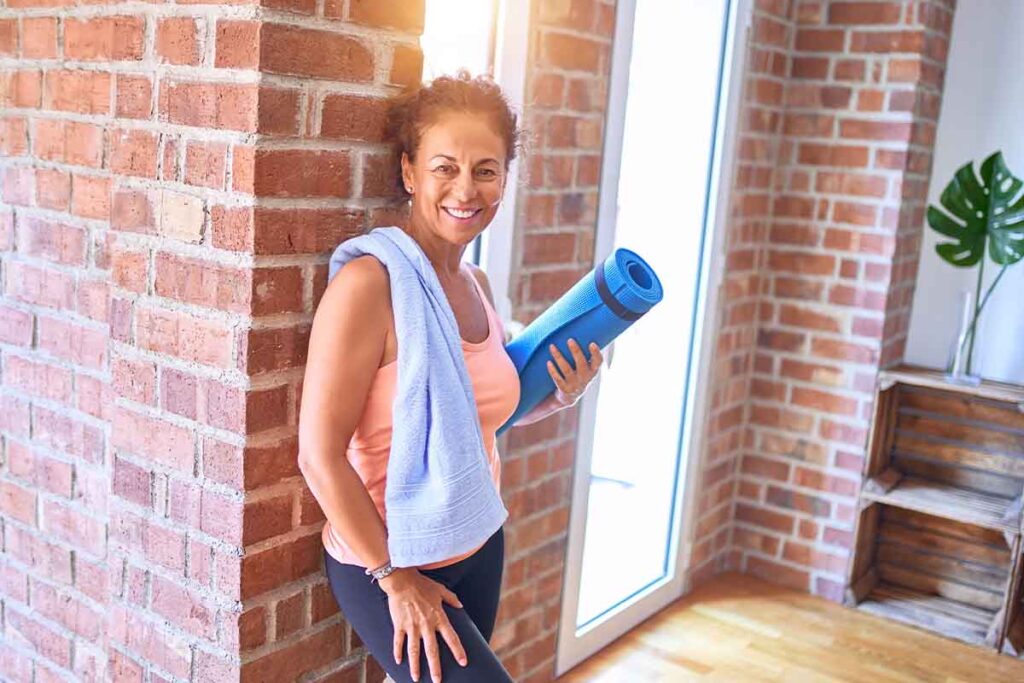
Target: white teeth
[{"x": 461, "y": 214}]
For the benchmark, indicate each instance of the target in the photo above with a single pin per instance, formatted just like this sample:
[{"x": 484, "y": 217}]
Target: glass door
[{"x": 668, "y": 127}]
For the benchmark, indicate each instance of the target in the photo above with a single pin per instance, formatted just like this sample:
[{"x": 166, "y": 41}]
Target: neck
[{"x": 444, "y": 256}]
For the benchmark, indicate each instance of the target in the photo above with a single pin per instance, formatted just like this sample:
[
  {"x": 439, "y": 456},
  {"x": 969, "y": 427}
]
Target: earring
[{"x": 408, "y": 189}]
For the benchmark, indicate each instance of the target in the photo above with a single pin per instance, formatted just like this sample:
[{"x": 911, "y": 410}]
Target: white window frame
[
  {"x": 572, "y": 648},
  {"x": 511, "y": 51}
]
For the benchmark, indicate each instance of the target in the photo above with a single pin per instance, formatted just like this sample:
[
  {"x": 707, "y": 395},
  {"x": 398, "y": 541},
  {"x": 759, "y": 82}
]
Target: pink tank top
[{"x": 496, "y": 389}]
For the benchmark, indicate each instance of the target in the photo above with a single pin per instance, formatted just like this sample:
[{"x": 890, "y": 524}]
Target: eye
[
  {"x": 487, "y": 173},
  {"x": 444, "y": 168}
]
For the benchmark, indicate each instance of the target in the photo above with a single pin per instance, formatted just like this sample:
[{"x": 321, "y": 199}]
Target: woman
[{"x": 457, "y": 137}]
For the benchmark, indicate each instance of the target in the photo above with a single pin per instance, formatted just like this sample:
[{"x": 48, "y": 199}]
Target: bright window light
[{"x": 458, "y": 34}]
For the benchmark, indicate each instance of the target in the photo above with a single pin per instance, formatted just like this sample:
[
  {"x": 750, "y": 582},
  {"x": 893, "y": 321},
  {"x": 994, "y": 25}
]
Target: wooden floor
[{"x": 739, "y": 628}]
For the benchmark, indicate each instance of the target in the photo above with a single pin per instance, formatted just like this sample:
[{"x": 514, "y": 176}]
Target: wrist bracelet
[{"x": 380, "y": 572}]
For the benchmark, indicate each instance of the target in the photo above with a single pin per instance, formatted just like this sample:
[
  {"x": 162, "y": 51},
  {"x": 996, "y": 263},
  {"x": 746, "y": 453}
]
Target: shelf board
[
  {"x": 937, "y": 614},
  {"x": 936, "y": 379},
  {"x": 940, "y": 500}
]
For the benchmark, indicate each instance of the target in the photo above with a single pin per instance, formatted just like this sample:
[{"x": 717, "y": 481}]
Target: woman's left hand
[{"x": 571, "y": 381}]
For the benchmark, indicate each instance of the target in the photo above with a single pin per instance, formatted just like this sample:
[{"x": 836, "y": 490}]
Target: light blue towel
[{"x": 440, "y": 499}]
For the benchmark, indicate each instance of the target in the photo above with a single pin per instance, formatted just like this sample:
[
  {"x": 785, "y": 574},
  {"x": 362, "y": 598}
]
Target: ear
[{"x": 406, "y": 170}]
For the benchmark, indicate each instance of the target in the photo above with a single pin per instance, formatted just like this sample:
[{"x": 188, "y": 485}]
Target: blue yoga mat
[{"x": 598, "y": 308}]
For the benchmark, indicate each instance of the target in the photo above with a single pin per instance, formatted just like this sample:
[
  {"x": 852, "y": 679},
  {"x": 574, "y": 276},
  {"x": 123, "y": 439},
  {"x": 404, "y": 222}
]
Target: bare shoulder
[
  {"x": 481, "y": 277},
  {"x": 362, "y": 281}
]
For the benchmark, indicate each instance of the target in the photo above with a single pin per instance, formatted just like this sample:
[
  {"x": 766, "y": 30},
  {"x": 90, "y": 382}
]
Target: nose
[{"x": 464, "y": 188}]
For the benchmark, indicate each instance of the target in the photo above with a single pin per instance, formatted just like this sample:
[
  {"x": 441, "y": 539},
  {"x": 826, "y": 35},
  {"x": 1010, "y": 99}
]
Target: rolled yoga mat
[{"x": 598, "y": 308}]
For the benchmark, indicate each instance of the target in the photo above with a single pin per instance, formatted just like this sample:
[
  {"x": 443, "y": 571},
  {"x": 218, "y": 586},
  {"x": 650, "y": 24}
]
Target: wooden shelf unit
[{"x": 938, "y": 535}]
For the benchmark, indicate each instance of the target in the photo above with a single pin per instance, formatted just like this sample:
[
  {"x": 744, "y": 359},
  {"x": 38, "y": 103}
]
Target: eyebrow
[{"x": 445, "y": 156}]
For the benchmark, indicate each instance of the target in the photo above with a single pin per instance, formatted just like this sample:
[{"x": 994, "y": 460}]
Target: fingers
[
  {"x": 454, "y": 643},
  {"x": 556, "y": 377},
  {"x": 414, "y": 657},
  {"x": 396, "y": 646},
  {"x": 596, "y": 358},
  {"x": 433, "y": 655},
  {"x": 579, "y": 360},
  {"x": 563, "y": 364}
]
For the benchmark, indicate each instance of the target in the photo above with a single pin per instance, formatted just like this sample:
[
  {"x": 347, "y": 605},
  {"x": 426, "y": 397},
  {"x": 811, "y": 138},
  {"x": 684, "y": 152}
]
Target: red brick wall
[
  {"x": 858, "y": 87},
  {"x": 173, "y": 179}
]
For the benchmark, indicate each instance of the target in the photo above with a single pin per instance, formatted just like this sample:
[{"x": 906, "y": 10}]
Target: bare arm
[{"x": 345, "y": 348}]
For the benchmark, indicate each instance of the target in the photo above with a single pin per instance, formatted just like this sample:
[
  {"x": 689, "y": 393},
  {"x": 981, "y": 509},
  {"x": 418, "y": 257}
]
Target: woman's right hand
[{"x": 415, "y": 602}]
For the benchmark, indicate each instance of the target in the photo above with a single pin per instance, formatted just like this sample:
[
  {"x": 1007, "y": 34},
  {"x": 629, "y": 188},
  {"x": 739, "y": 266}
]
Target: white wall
[{"x": 982, "y": 111}]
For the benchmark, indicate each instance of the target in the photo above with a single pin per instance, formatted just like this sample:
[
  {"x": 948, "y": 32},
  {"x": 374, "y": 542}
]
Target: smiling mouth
[{"x": 460, "y": 214}]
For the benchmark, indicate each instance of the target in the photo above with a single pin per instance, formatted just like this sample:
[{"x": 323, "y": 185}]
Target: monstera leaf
[
  {"x": 991, "y": 211},
  {"x": 987, "y": 212}
]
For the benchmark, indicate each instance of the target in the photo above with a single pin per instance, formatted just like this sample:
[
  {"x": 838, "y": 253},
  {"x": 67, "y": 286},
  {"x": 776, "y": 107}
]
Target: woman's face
[{"x": 457, "y": 178}]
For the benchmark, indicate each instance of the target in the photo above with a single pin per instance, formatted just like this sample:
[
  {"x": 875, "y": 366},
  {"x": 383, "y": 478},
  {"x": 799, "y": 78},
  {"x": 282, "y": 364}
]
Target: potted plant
[{"x": 982, "y": 212}]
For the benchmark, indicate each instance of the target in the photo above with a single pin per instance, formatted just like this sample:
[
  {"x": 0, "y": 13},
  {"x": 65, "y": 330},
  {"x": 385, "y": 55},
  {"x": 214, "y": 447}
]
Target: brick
[
  {"x": 15, "y": 326},
  {"x": 844, "y": 351},
  {"x": 40, "y": 286},
  {"x": 38, "y": 379},
  {"x": 799, "y": 262},
  {"x": 130, "y": 269},
  {"x": 353, "y": 118},
  {"x": 82, "y": 92},
  {"x": 279, "y": 565},
  {"x": 66, "y": 609},
  {"x": 78, "y": 144},
  {"x": 232, "y": 227},
  {"x": 134, "y": 96},
  {"x": 252, "y": 628},
  {"x": 181, "y": 607},
  {"x": 289, "y": 614},
  {"x": 18, "y": 186},
  {"x": 820, "y": 40},
  {"x": 302, "y": 173},
  {"x": 842, "y": 156},
  {"x": 277, "y": 290},
  {"x": 13, "y": 136},
  {"x": 14, "y": 416},
  {"x": 209, "y": 105},
  {"x": 44, "y": 558},
  {"x": 406, "y": 66},
  {"x": 404, "y": 15},
  {"x": 184, "y": 336},
  {"x": 320, "y": 54},
  {"x": 154, "y": 643},
  {"x": 52, "y": 241},
  {"x": 179, "y": 393},
  {"x": 864, "y": 13},
  {"x": 177, "y": 40},
  {"x": 18, "y": 503},
  {"x": 21, "y": 88},
  {"x": 49, "y": 644},
  {"x": 851, "y": 184},
  {"x": 221, "y": 517},
  {"x": 104, "y": 38},
  {"x": 79, "y": 344},
  {"x": 274, "y": 348},
  {"x": 874, "y": 130},
  {"x": 266, "y": 518},
  {"x": 205, "y": 163},
  {"x": 133, "y": 152},
  {"x": 568, "y": 52},
  {"x": 237, "y": 45},
  {"x": 302, "y": 231},
  {"x": 279, "y": 111},
  {"x": 202, "y": 283},
  {"x": 887, "y": 42},
  {"x": 180, "y": 216},
  {"x": 295, "y": 660},
  {"x": 9, "y": 37},
  {"x": 74, "y": 527},
  {"x": 823, "y": 401},
  {"x": 165, "y": 547},
  {"x": 222, "y": 406},
  {"x": 160, "y": 441},
  {"x": 53, "y": 189},
  {"x": 133, "y": 483}
]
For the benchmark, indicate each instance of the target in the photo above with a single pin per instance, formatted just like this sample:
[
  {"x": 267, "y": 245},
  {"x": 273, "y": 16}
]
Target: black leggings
[{"x": 477, "y": 582}]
